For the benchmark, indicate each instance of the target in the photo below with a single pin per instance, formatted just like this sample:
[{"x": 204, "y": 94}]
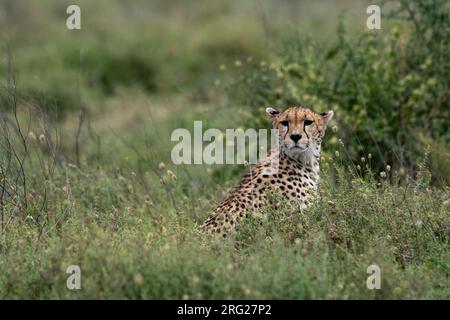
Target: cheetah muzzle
[{"x": 300, "y": 131}]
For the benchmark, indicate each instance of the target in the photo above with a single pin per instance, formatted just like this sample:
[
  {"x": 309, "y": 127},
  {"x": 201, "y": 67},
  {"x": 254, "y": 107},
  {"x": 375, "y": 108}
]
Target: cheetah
[{"x": 300, "y": 134}]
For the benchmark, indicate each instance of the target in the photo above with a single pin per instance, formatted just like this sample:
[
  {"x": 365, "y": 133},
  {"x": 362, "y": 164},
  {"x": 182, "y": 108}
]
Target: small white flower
[
  {"x": 32, "y": 136},
  {"x": 171, "y": 174}
]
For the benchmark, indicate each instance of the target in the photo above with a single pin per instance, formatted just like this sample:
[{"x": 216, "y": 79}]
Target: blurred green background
[
  {"x": 92, "y": 183},
  {"x": 161, "y": 47},
  {"x": 389, "y": 88}
]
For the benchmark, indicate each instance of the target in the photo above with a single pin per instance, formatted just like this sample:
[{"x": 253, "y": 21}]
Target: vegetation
[
  {"x": 390, "y": 87},
  {"x": 85, "y": 171}
]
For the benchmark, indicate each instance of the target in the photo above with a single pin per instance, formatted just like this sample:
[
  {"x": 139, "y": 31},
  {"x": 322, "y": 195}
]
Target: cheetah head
[{"x": 300, "y": 130}]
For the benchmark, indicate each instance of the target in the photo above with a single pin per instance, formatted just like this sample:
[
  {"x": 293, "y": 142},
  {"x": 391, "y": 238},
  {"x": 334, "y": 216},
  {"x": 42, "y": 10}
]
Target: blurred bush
[
  {"x": 388, "y": 87},
  {"x": 158, "y": 47}
]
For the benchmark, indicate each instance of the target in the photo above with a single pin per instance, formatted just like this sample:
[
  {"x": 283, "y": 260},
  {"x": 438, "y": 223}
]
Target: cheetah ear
[
  {"x": 326, "y": 116},
  {"x": 272, "y": 113}
]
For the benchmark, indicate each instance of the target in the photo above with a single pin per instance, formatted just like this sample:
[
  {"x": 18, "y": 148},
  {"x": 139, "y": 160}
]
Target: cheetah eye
[
  {"x": 285, "y": 123},
  {"x": 308, "y": 122}
]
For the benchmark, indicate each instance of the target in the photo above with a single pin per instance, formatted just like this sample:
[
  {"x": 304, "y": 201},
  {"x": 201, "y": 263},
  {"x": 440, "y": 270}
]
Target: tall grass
[
  {"x": 97, "y": 189},
  {"x": 133, "y": 231}
]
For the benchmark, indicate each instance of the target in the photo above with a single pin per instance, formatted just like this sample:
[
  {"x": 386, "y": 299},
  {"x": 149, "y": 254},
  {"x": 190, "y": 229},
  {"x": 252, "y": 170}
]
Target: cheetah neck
[{"x": 309, "y": 159}]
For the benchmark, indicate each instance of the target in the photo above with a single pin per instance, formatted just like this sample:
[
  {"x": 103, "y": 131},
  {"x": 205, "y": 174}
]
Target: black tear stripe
[
  {"x": 287, "y": 131},
  {"x": 304, "y": 129}
]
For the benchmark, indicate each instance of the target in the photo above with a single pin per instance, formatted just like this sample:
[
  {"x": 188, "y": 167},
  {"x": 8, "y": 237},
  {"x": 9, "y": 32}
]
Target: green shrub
[
  {"x": 130, "y": 242},
  {"x": 111, "y": 68},
  {"x": 388, "y": 87}
]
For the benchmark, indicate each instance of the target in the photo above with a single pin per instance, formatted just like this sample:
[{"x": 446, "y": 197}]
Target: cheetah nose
[{"x": 295, "y": 137}]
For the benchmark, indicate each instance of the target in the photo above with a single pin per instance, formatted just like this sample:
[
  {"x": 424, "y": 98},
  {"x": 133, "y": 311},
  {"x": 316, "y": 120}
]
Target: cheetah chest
[{"x": 294, "y": 180}]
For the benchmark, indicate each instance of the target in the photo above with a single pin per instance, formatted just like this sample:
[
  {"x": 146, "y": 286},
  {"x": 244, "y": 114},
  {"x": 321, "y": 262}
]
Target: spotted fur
[{"x": 300, "y": 136}]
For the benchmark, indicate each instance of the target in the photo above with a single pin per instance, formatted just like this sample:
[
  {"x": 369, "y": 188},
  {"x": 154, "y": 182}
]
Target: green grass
[
  {"x": 134, "y": 237},
  {"x": 130, "y": 245},
  {"x": 132, "y": 227}
]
